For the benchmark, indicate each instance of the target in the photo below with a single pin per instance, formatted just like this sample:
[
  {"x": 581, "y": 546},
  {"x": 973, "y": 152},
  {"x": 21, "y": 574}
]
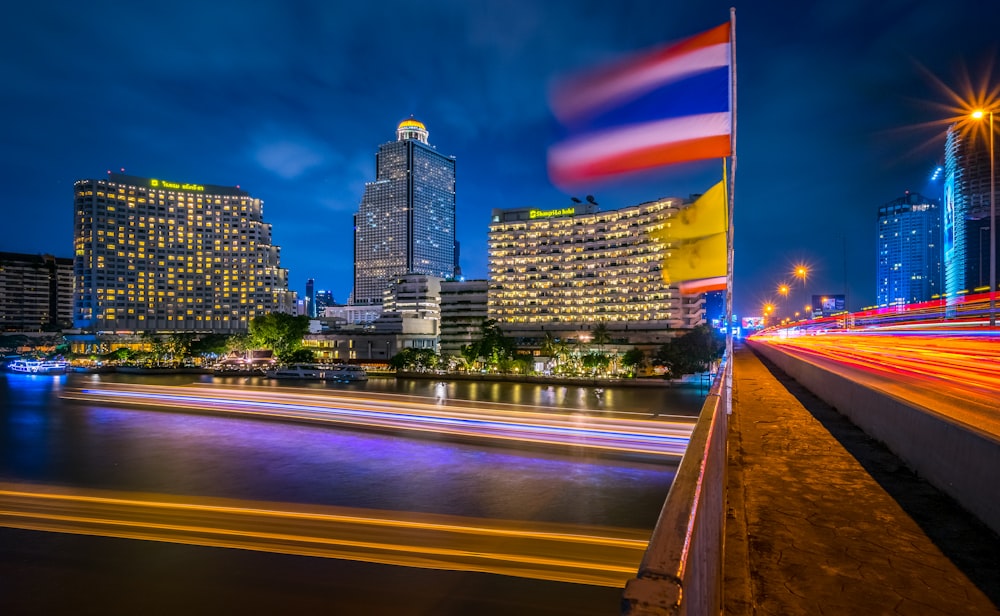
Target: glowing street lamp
[
  {"x": 783, "y": 290},
  {"x": 979, "y": 114},
  {"x": 801, "y": 272}
]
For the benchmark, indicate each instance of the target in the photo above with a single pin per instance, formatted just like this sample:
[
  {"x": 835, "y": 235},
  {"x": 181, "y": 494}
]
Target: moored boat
[
  {"x": 319, "y": 372},
  {"x": 34, "y": 366}
]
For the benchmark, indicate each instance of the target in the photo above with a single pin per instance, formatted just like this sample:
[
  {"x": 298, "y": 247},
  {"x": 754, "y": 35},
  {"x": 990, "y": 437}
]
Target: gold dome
[{"x": 411, "y": 123}]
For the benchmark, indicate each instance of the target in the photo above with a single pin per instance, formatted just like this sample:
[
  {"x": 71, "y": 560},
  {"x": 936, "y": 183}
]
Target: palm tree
[{"x": 601, "y": 336}]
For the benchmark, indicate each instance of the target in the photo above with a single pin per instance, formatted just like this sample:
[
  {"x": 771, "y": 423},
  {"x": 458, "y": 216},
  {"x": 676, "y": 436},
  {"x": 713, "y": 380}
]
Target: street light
[{"x": 979, "y": 114}]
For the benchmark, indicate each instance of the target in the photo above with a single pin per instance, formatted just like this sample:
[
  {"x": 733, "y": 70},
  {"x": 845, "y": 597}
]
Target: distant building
[
  {"x": 406, "y": 220},
  {"x": 412, "y": 298},
  {"x": 156, "y": 255},
  {"x": 311, "y": 298},
  {"x": 324, "y": 299},
  {"x": 908, "y": 254},
  {"x": 463, "y": 310},
  {"x": 36, "y": 292},
  {"x": 966, "y": 209}
]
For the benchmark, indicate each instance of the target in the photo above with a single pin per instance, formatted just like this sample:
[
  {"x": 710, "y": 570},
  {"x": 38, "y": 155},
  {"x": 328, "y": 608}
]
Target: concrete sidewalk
[{"x": 822, "y": 519}]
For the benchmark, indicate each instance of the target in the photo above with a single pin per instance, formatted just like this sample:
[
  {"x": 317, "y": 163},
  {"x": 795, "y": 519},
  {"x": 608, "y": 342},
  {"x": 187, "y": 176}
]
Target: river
[{"x": 54, "y": 442}]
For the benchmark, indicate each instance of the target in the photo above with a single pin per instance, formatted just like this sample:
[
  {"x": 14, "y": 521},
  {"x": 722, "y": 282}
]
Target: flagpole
[{"x": 732, "y": 194}]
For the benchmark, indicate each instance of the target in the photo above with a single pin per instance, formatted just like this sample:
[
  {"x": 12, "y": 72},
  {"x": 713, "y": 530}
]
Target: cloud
[{"x": 290, "y": 157}]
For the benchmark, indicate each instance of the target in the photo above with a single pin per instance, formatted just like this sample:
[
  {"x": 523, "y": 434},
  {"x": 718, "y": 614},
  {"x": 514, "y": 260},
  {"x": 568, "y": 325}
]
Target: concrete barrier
[
  {"x": 681, "y": 571},
  {"x": 956, "y": 459}
]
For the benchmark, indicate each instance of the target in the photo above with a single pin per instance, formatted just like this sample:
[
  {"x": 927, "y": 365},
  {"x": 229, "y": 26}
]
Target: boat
[
  {"x": 35, "y": 366},
  {"x": 319, "y": 372},
  {"x": 346, "y": 372}
]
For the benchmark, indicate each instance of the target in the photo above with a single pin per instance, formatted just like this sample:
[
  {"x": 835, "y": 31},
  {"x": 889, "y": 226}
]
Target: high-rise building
[
  {"x": 311, "y": 298},
  {"x": 966, "y": 216},
  {"x": 406, "y": 220},
  {"x": 909, "y": 250},
  {"x": 36, "y": 292},
  {"x": 324, "y": 300},
  {"x": 156, "y": 255},
  {"x": 582, "y": 265}
]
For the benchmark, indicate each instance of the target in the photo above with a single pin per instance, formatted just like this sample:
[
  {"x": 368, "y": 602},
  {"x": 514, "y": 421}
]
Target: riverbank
[{"x": 696, "y": 380}]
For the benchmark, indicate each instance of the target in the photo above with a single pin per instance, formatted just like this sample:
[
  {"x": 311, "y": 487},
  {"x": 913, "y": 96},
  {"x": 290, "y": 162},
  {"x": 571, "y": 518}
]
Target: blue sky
[{"x": 290, "y": 100}]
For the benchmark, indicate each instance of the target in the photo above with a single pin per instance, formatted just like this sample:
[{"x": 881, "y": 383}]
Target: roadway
[{"x": 951, "y": 374}]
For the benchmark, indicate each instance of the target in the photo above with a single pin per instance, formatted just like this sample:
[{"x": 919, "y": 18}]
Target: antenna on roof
[
  {"x": 575, "y": 200},
  {"x": 590, "y": 199}
]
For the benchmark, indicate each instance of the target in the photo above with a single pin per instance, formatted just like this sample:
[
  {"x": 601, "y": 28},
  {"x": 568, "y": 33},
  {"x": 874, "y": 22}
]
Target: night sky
[{"x": 837, "y": 113}]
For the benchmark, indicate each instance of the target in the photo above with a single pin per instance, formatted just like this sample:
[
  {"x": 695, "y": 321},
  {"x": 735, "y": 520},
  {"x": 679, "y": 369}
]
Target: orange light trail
[{"x": 575, "y": 554}]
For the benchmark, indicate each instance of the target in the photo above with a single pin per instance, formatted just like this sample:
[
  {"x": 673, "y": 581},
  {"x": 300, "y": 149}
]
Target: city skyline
[{"x": 825, "y": 96}]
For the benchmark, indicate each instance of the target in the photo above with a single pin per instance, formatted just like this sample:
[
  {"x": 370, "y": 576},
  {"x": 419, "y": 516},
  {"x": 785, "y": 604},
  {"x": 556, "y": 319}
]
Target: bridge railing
[{"x": 681, "y": 571}]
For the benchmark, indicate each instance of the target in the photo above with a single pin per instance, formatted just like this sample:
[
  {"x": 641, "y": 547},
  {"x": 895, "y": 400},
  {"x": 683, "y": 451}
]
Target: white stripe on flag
[
  {"x": 574, "y": 99},
  {"x": 617, "y": 141}
]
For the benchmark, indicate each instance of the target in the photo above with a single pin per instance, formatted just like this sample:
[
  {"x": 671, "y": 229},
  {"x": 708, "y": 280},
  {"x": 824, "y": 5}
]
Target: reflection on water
[{"x": 48, "y": 440}]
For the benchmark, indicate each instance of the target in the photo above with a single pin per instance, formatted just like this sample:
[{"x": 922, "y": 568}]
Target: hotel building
[
  {"x": 909, "y": 250},
  {"x": 36, "y": 292},
  {"x": 406, "y": 220},
  {"x": 155, "y": 255},
  {"x": 571, "y": 268}
]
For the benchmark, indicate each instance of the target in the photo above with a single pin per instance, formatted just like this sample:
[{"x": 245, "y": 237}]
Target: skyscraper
[
  {"x": 908, "y": 250},
  {"x": 966, "y": 225},
  {"x": 36, "y": 292},
  {"x": 154, "y": 255},
  {"x": 406, "y": 220},
  {"x": 311, "y": 297}
]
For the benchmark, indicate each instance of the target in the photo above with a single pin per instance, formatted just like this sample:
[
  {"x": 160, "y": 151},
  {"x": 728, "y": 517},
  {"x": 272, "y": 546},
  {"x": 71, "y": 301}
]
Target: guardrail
[{"x": 681, "y": 571}]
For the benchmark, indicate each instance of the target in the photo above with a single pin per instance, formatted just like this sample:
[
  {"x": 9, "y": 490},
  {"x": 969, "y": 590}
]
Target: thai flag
[{"x": 664, "y": 106}]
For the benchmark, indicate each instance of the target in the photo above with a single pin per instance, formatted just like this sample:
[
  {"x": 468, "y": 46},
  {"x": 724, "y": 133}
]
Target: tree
[
  {"x": 632, "y": 359},
  {"x": 493, "y": 346},
  {"x": 280, "y": 332},
  {"x": 690, "y": 353},
  {"x": 210, "y": 345},
  {"x": 596, "y": 361},
  {"x": 601, "y": 336},
  {"x": 301, "y": 356}
]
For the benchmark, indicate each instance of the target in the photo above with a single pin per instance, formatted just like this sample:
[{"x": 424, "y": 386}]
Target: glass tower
[
  {"x": 965, "y": 230},
  {"x": 406, "y": 220},
  {"x": 909, "y": 250}
]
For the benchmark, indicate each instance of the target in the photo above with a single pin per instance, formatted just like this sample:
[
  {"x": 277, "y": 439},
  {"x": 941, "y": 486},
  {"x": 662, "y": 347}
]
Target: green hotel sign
[
  {"x": 566, "y": 211},
  {"x": 163, "y": 184}
]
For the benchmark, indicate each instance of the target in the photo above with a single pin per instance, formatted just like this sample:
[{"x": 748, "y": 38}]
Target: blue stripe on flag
[{"x": 706, "y": 92}]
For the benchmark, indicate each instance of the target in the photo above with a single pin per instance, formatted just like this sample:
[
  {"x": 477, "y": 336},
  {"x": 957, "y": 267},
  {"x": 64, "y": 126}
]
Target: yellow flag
[
  {"x": 706, "y": 216},
  {"x": 696, "y": 259}
]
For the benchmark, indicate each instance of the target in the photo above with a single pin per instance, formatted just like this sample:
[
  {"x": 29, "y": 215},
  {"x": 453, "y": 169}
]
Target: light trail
[
  {"x": 517, "y": 425},
  {"x": 581, "y": 555},
  {"x": 955, "y": 374}
]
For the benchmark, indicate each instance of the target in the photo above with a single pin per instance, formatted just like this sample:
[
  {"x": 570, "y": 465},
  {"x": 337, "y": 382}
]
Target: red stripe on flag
[
  {"x": 694, "y": 287},
  {"x": 643, "y": 60},
  {"x": 715, "y": 146}
]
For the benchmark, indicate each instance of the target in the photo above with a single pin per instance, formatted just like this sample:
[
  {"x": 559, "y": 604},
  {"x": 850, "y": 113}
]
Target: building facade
[
  {"x": 156, "y": 255},
  {"x": 579, "y": 265},
  {"x": 463, "y": 310},
  {"x": 36, "y": 292},
  {"x": 406, "y": 220},
  {"x": 908, "y": 253},
  {"x": 311, "y": 298},
  {"x": 966, "y": 210}
]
